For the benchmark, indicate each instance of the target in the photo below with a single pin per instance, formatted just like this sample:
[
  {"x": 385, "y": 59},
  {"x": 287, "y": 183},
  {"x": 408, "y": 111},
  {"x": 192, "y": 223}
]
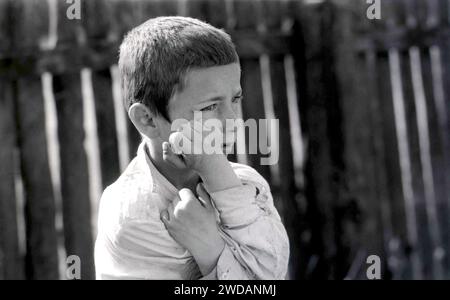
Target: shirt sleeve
[{"x": 257, "y": 245}]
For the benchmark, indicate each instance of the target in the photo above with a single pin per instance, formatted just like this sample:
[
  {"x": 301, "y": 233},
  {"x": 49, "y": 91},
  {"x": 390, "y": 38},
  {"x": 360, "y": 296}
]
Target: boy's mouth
[{"x": 227, "y": 147}]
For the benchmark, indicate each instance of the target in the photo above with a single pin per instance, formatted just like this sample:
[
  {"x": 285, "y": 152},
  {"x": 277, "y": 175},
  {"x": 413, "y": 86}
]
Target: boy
[{"x": 187, "y": 216}]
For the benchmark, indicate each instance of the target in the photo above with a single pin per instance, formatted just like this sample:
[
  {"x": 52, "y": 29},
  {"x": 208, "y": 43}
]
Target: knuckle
[{"x": 185, "y": 194}]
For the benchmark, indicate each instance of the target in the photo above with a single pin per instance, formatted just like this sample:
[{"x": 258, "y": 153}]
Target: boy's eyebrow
[{"x": 218, "y": 98}]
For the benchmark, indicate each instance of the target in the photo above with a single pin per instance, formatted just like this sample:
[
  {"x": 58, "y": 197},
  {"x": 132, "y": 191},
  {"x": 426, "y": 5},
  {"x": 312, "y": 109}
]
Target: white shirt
[{"x": 132, "y": 242}]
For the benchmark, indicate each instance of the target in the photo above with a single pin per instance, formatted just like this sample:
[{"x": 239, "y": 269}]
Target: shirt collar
[{"x": 151, "y": 172}]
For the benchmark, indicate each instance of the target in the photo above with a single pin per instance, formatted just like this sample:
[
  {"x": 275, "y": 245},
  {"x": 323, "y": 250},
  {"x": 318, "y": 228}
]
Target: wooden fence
[{"x": 363, "y": 107}]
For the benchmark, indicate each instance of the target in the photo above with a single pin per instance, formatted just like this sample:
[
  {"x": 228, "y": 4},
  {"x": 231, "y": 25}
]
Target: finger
[
  {"x": 165, "y": 217},
  {"x": 170, "y": 209},
  {"x": 203, "y": 195},
  {"x": 172, "y": 158},
  {"x": 176, "y": 201},
  {"x": 202, "y": 202}
]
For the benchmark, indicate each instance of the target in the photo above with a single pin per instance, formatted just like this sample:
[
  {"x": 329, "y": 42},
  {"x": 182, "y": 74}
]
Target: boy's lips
[{"x": 227, "y": 147}]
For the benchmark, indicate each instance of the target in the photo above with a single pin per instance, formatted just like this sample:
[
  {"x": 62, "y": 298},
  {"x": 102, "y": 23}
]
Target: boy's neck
[{"x": 179, "y": 178}]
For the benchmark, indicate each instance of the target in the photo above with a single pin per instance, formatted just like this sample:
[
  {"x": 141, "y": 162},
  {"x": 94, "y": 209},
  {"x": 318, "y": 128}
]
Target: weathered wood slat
[
  {"x": 399, "y": 245},
  {"x": 42, "y": 259},
  {"x": 11, "y": 263},
  {"x": 409, "y": 81},
  {"x": 442, "y": 96},
  {"x": 252, "y": 108},
  {"x": 379, "y": 171},
  {"x": 308, "y": 75},
  {"x": 106, "y": 126},
  {"x": 362, "y": 192},
  {"x": 74, "y": 171},
  {"x": 433, "y": 160},
  {"x": 288, "y": 207}
]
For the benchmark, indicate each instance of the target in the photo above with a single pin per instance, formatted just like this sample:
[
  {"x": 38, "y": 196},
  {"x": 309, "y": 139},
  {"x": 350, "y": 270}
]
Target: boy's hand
[
  {"x": 196, "y": 162},
  {"x": 190, "y": 147},
  {"x": 192, "y": 223}
]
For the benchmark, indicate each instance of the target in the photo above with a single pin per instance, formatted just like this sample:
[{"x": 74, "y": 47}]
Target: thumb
[
  {"x": 203, "y": 195},
  {"x": 186, "y": 194}
]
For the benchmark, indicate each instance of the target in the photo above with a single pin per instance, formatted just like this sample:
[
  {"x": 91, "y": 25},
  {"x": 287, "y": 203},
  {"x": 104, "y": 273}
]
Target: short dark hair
[{"x": 156, "y": 55}]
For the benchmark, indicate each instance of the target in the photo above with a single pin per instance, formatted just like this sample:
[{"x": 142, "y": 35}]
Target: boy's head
[{"x": 173, "y": 66}]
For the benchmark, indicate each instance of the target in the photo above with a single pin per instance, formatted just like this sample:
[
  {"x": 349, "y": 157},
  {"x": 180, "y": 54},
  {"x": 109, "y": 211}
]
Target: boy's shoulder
[{"x": 127, "y": 198}]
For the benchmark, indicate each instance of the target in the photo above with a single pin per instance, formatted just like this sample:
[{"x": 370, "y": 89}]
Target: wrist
[
  {"x": 219, "y": 175},
  {"x": 207, "y": 259},
  {"x": 210, "y": 163}
]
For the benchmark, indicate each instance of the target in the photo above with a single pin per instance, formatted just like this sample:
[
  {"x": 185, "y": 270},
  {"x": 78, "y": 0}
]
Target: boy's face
[{"x": 215, "y": 92}]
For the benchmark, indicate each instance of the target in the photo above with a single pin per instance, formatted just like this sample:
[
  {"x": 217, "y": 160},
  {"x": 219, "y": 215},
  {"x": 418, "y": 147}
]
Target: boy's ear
[{"x": 144, "y": 120}]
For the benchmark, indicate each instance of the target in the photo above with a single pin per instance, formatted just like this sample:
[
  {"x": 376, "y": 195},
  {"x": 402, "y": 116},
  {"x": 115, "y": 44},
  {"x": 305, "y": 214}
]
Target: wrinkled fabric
[{"x": 132, "y": 242}]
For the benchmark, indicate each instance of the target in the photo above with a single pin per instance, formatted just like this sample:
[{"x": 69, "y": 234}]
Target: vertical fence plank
[
  {"x": 106, "y": 126},
  {"x": 11, "y": 264},
  {"x": 320, "y": 112},
  {"x": 392, "y": 254},
  {"x": 361, "y": 204},
  {"x": 434, "y": 159},
  {"x": 399, "y": 245},
  {"x": 439, "y": 57},
  {"x": 74, "y": 171},
  {"x": 253, "y": 108},
  {"x": 428, "y": 176},
  {"x": 30, "y": 28},
  {"x": 288, "y": 191},
  {"x": 444, "y": 114},
  {"x": 417, "y": 184},
  {"x": 42, "y": 260}
]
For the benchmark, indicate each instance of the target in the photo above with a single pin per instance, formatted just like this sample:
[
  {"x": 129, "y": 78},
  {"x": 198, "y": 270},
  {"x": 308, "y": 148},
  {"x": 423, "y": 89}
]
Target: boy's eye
[
  {"x": 237, "y": 99},
  {"x": 209, "y": 107}
]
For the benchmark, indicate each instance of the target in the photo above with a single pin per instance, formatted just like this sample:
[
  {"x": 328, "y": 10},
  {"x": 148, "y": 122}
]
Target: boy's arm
[{"x": 256, "y": 241}]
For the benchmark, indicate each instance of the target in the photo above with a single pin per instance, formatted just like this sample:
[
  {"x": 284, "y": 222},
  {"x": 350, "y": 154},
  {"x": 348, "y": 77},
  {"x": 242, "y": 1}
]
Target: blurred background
[{"x": 363, "y": 106}]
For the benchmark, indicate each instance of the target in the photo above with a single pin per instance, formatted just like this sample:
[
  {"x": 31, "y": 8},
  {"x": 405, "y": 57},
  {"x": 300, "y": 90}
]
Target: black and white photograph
[{"x": 262, "y": 140}]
